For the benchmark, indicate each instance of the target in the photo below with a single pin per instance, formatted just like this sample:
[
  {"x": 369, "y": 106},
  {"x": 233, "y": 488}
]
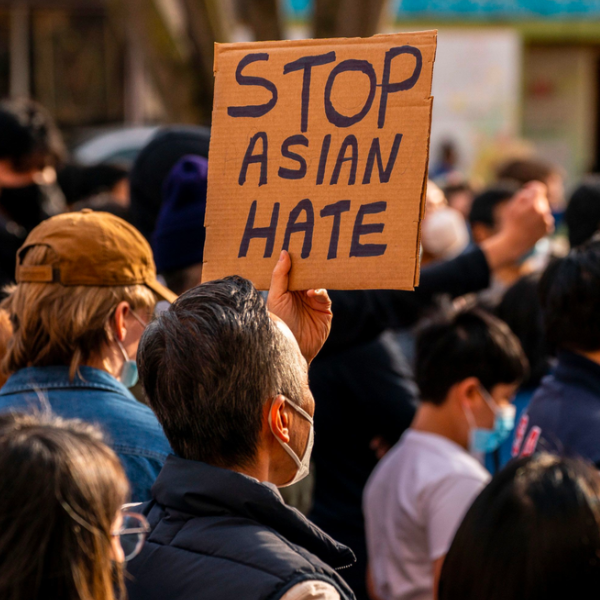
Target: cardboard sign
[{"x": 320, "y": 147}]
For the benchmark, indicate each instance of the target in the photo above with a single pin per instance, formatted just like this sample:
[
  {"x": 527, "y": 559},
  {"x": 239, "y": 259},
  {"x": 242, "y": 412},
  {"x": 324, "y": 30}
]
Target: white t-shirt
[{"x": 413, "y": 505}]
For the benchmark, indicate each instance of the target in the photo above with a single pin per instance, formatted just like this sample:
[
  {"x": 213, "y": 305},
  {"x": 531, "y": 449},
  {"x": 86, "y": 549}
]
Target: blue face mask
[
  {"x": 488, "y": 440},
  {"x": 129, "y": 373}
]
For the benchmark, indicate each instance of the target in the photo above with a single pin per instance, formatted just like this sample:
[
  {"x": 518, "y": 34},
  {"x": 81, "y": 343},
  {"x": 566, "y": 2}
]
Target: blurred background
[{"x": 512, "y": 77}]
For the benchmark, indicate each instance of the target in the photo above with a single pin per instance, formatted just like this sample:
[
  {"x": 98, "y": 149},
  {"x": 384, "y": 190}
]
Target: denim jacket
[{"x": 96, "y": 397}]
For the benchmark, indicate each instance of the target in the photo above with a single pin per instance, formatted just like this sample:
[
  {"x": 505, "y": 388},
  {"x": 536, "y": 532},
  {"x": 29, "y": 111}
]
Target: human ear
[
  {"x": 468, "y": 392},
  {"x": 278, "y": 419},
  {"x": 119, "y": 320},
  {"x": 480, "y": 232}
]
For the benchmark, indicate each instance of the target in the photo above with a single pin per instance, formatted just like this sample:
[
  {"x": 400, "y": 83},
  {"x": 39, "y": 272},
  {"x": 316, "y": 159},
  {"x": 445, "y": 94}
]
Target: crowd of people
[{"x": 166, "y": 438}]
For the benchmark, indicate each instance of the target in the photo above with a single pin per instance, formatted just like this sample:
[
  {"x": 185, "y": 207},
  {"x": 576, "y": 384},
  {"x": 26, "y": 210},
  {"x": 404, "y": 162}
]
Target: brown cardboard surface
[{"x": 289, "y": 171}]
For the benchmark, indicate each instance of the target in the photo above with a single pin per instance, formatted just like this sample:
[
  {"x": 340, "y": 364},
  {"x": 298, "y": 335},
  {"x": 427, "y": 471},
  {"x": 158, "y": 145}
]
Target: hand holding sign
[
  {"x": 320, "y": 148},
  {"x": 307, "y": 313}
]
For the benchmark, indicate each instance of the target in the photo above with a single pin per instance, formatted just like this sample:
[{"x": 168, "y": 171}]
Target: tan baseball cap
[{"x": 91, "y": 248}]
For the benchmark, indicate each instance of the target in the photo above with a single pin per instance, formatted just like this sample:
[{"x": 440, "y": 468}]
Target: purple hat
[{"x": 178, "y": 240}]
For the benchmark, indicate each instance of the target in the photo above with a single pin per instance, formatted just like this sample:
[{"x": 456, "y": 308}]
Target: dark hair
[
  {"x": 521, "y": 310},
  {"x": 30, "y": 139},
  {"x": 569, "y": 293},
  {"x": 457, "y": 187},
  {"x": 153, "y": 165},
  {"x": 482, "y": 209},
  {"x": 456, "y": 345},
  {"x": 79, "y": 182},
  {"x": 209, "y": 364},
  {"x": 524, "y": 170},
  {"x": 61, "y": 488},
  {"x": 583, "y": 212},
  {"x": 532, "y": 534}
]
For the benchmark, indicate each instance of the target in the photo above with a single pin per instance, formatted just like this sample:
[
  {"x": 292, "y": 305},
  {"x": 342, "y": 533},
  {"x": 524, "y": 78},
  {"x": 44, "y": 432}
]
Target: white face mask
[{"x": 304, "y": 464}]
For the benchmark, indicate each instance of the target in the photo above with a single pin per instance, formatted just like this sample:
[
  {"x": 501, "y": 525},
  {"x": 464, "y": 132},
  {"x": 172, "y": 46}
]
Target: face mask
[
  {"x": 304, "y": 464},
  {"x": 488, "y": 440},
  {"x": 24, "y": 205},
  {"x": 129, "y": 373}
]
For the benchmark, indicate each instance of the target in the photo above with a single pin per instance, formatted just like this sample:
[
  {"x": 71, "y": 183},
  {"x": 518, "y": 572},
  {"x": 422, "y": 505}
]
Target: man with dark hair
[
  {"x": 485, "y": 216},
  {"x": 563, "y": 416},
  {"x": 30, "y": 149},
  {"x": 229, "y": 383},
  {"x": 30, "y": 142},
  {"x": 468, "y": 367},
  {"x": 582, "y": 216}
]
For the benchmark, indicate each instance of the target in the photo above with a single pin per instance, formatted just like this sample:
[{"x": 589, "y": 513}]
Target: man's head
[
  {"x": 486, "y": 214},
  {"x": 525, "y": 170},
  {"x": 583, "y": 212},
  {"x": 30, "y": 143},
  {"x": 221, "y": 374},
  {"x": 153, "y": 165},
  {"x": 569, "y": 293},
  {"x": 468, "y": 361}
]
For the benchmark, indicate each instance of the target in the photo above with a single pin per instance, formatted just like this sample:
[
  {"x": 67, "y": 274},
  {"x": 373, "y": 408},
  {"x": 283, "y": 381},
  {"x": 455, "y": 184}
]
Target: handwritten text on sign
[{"x": 320, "y": 148}]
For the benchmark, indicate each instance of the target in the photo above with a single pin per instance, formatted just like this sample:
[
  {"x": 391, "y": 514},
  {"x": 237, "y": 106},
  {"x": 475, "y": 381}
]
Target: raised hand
[
  {"x": 527, "y": 219},
  {"x": 307, "y": 313}
]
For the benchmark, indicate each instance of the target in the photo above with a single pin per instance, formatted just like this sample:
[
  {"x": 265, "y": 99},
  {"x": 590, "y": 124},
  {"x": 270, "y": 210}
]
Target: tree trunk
[
  {"x": 263, "y": 18},
  {"x": 348, "y": 18},
  {"x": 325, "y": 18},
  {"x": 359, "y": 18}
]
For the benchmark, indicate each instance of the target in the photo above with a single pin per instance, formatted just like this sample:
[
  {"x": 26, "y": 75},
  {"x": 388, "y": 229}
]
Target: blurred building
[{"x": 515, "y": 69}]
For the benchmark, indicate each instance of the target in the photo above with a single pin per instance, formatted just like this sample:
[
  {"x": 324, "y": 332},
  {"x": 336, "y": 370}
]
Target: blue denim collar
[{"x": 57, "y": 377}]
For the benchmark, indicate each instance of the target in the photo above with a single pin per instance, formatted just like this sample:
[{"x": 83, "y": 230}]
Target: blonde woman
[{"x": 86, "y": 288}]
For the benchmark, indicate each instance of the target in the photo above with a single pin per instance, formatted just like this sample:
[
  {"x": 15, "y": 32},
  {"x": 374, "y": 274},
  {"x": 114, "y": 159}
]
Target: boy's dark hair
[
  {"x": 30, "y": 139},
  {"x": 209, "y": 364},
  {"x": 532, "y": 534},
  {"x": 521, "y": 310},
  {"x": 570, "y": 297},
  {"x": 456, "y": 345},
  {"x": 482, "y": 209},
  {"x": 583, "y": 212}
]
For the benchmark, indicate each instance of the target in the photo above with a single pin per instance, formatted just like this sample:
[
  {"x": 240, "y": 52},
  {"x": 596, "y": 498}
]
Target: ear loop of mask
[
  {"x": 129, "y": 373},
  {"x": 304, "y": 464}
]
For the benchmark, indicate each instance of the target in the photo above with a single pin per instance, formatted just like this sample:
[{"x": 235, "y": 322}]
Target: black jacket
[
  {"x": 360, "y": 316},
  {"x": 217, "y": 534}
]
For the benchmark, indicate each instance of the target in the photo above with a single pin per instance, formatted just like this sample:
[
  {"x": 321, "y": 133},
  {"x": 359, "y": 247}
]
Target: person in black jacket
[{"x": 229, "y": 383}]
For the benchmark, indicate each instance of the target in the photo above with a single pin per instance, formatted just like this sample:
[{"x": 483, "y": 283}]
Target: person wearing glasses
[
  {"x": 63, "y": 533},
  {"x": 86, "y": 288}
]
